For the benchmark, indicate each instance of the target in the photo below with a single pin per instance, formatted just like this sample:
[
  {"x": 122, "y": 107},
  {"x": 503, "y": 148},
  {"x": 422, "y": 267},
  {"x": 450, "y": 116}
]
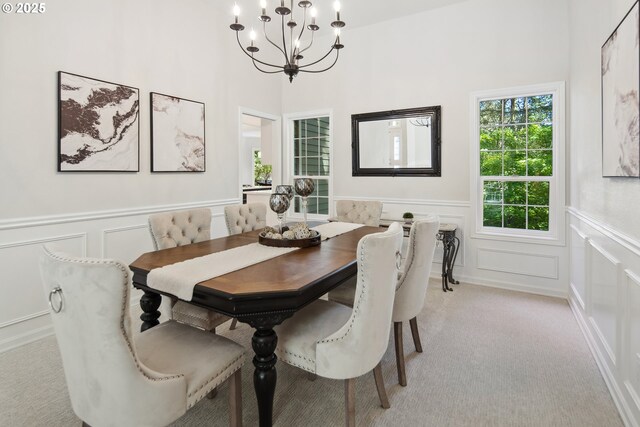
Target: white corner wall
[
  {"x": 168, "y": 46},
  {"x": 440, "y": 57},
  {"x": 604, "y": 225}
]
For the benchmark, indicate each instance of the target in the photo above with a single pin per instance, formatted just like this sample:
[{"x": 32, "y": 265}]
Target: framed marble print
[
  {"x": 177, "y": 134},
  {"x": 620, "y": 99},
  {"x": 99, "y": 125}
]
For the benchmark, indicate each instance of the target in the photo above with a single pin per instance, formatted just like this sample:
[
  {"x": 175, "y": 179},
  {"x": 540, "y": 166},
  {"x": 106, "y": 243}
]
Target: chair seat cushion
[
  {"x": 297, "y": 337},
  {"x": 199, "y": 317},
  {"x": 205, "y": 359}
]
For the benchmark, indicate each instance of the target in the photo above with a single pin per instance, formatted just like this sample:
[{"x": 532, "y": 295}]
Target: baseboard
[
  {"x": 510, "y": 286},
  {"x": 609, "y": 378},
  {"x": 26, "y": 338}
]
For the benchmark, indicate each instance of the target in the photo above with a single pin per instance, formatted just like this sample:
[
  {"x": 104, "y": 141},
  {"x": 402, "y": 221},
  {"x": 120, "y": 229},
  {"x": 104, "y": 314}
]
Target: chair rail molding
[{"x": 39, "y": 221}]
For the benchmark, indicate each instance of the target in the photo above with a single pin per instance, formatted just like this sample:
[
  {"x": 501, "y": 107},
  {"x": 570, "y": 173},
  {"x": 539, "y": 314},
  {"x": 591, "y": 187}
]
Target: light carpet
[{"x": 491, "y": 358}]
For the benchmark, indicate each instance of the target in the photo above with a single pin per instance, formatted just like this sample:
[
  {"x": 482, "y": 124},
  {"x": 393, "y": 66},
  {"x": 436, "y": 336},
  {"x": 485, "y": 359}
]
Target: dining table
[{"x": 262, "y": 295}]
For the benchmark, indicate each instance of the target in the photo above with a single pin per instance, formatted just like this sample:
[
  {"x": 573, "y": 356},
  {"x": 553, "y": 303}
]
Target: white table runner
[{"x": 180, "y": 278}]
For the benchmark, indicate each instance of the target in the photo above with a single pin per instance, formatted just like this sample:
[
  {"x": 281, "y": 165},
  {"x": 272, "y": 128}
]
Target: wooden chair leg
[
  {"x": 234, "y": 322},
  {"x": 350, "y": 402},
  {"x": 85, "y": 424},
  {"x": 235, "y": 399},
  {"x": 212, "y": 394},
  {"x": 382, "y": 393},
  {"x": 397, "y": 333},
  {"x": 311, "y": 377},
  {"x": 416, "y": 335}
]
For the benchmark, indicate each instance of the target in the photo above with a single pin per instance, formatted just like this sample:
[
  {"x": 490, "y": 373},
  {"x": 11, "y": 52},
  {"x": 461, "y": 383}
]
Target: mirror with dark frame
[{"x": 396, "y": 143}]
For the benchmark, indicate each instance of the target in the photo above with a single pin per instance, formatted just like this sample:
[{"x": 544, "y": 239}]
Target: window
[
  {"x": 311, "y": 158},
  {"x": 518, "y": 156}
]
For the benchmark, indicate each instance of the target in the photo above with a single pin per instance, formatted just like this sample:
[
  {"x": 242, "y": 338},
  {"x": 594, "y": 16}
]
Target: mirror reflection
[{"x": 399, "y": 142}]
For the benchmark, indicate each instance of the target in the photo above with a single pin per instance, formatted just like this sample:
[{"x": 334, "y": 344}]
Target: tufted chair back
[
  {"x": 358, "y": 346},
  {"x": 243, "y": 218},
  {"x": 413, "y": 281},
  {"x": 360, "y": 212},
  {"x": 93, "y": 331},
  {"x": 171, "y": 229}
]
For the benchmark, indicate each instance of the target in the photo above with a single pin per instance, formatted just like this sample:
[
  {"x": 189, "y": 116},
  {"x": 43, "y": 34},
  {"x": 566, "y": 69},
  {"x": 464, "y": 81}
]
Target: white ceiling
[{"x": 356, "y": 13}]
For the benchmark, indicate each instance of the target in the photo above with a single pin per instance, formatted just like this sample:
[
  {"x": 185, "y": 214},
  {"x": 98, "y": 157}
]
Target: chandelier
[{"x": 292, "y": 42}]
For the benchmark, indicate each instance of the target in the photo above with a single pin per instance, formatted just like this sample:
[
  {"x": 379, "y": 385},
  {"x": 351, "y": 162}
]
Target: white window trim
[
  {"x": 287, "y": 156},
  {"x": 556, "y": 233}
]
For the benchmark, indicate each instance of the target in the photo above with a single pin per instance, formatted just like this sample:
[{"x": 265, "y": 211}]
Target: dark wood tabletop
[{"x": 286, "y": 282}]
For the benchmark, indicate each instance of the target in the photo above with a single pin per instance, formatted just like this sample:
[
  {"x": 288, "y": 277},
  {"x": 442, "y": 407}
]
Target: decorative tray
[{"x": 265, "y": 238}]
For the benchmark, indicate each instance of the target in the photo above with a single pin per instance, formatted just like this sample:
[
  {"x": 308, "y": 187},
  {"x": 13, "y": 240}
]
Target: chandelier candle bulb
[
  {"x": 236, "y": 11},
  {"x": 263, "y": 5},
  {"x": 314, "y": 13}
]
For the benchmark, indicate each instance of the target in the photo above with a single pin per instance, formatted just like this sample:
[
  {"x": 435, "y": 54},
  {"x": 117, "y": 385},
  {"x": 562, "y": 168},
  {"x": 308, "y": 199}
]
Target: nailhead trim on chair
[
  {"x": 125, "y": 297},
  {"x": 209, "y": 386},
  {"x": 408, "y": 262},
  {"x": 356, "y": 307}
]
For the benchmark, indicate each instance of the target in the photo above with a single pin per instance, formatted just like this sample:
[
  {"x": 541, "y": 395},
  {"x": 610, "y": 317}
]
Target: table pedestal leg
[
  {"x": 264, "y": 343},
  {"x": 149, "y": 303},
  {"x": 446, "y": 255}
]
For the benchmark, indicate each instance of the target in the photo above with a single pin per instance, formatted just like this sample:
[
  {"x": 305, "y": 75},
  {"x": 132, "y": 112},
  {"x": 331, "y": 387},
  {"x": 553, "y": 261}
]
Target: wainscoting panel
[
  {"x": 578, "y": 253},
  {"x": 122, "y": 235},
  {"x": 605, "y": 298},
  {"x": 527, "y": 266},
  {"x": 127, "y": 243},
  {"x": 24, "y": 284},
  {"x": 604, "y": 273},
  {"x": 523, "y": 263},
  {"x": 632, "y": 347},
  {"x": 24, "y": 306}
]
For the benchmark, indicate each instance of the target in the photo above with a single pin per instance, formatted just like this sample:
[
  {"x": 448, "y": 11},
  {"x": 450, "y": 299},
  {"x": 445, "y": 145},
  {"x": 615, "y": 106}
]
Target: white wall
[
  {"x": 604, "y": 230},
  {"x": 155, "y": 45},
  {"x": 438, "y": 58}
]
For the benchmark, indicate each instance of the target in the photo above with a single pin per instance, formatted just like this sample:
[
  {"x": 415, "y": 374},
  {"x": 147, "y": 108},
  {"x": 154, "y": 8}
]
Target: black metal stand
[
  {"x": 150, "y": 302},
  {"x": 450, "y": 246}
]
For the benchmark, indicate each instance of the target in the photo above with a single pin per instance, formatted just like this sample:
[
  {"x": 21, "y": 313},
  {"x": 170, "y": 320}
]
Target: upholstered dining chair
[
  {"x": 334, "y": 341},
  {"x": 411, "y": 288},
  {"x": 179, "y": 228},
  {"x": 365, "y": 212},
  {"x": 116, "y": 379},
  {"x": 244, "y": 218}
]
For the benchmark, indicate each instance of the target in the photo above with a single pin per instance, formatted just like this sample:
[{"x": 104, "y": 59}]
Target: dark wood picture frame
[
  {"x": 75, "y": 118},
  {"x": 357, "y": 146},
  {"x": 169, "y": 135},
  {"x": 620, "y": 111}
]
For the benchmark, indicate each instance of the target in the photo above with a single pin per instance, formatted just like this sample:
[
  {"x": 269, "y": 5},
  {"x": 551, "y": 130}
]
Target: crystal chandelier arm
[
  {"x": 328, "y": 68},
  {"x": 319, "y": 60},
  {"x": 251, "y": 56},
  {"x": 284, "y": 43},
  {"x": 264, "y": 29}
]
